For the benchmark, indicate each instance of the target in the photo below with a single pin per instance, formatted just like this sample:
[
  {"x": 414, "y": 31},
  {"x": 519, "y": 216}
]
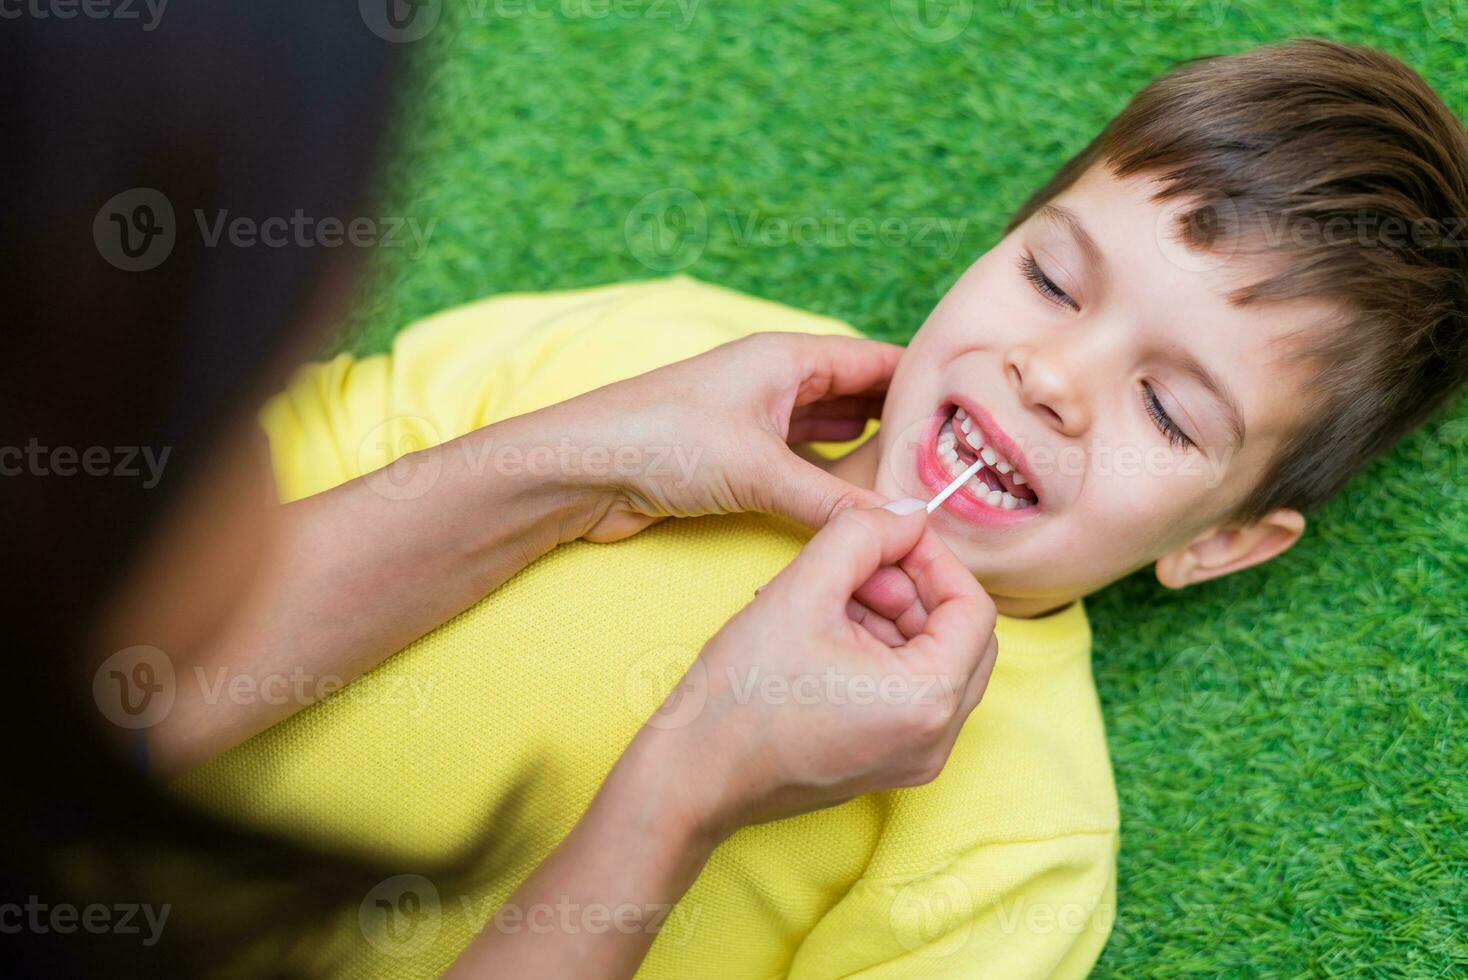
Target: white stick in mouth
[{"x": 958, "y": 481}]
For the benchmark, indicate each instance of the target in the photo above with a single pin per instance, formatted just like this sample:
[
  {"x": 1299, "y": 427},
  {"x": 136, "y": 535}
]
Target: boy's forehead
[{"x": 1184, "y": 298}]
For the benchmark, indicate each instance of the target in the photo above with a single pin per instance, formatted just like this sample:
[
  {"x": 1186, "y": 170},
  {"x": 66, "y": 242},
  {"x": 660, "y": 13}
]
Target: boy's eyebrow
[
  {"x": 1194, "y": 369},
  {"x": 1061, "y": 215}
]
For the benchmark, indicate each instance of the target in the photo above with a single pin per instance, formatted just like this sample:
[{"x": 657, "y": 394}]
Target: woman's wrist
[
  {"x": 655, "y": 788},
  {"x": 635, "y": 849},
  {"x": 685, "y": 785},
  {"x": 526, "y": 477}
]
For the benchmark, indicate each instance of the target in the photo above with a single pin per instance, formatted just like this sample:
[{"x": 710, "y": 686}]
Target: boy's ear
[{"x": 1230, "y": 549}]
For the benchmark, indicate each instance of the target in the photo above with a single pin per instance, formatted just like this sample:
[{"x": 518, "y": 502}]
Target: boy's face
[{"x": 1132, "y": 405}]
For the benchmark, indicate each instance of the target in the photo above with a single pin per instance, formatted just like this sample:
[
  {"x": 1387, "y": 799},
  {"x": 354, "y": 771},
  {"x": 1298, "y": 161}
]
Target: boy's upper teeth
[{"x": 973, "y": 436}]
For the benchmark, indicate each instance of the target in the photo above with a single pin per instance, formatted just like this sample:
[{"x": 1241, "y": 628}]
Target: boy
[{"x": 1249, "y": 284}]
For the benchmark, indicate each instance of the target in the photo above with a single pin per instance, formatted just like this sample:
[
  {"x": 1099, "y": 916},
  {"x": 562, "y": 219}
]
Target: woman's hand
[
  {"x": 796, "y": 704},
  {"x": 712, "y": 434},
  {"x": 792, "y": 706}
]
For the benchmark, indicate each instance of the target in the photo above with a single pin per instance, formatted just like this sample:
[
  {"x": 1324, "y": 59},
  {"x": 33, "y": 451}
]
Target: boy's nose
[{"x": 1051, "y": 385}]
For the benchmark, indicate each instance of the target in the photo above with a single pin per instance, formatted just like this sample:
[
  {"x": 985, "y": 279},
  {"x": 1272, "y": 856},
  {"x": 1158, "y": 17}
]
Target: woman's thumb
[
  {"x": 807, "y": 494},
  {"x": 844, "y": 554}
]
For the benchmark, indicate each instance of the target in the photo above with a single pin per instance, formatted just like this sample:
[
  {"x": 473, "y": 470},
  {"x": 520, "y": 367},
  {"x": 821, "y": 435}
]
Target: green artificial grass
[{"x": 1288, "y": 743}]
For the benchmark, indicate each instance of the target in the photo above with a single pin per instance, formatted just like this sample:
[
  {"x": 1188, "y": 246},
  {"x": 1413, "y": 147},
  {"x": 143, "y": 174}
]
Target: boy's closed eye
[{"x": 1043, "y": 284}]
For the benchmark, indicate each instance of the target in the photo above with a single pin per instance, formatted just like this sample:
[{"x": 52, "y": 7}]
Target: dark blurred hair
[
  {"x": 1344, "y": 163},
  {"x": 260, "y": 107}
]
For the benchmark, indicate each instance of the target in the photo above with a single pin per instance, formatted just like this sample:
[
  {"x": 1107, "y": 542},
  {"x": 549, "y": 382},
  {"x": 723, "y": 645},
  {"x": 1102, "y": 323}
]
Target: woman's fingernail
[{"x": 905, "y": 505}]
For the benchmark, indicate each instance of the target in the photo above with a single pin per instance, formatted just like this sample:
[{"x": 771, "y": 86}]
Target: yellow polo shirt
[{"x": 498, "y": 727}]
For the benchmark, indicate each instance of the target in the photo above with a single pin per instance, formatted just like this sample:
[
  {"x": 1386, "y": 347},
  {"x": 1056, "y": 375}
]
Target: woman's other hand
[
  {"x": 800, "y": 703},
  {"x": 712, "y": 434}
]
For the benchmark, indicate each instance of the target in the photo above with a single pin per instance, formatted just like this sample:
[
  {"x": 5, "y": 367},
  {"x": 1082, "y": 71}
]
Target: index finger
[
  {"x": 833, "y": 366},
  {"x": 841, "y": 556}
]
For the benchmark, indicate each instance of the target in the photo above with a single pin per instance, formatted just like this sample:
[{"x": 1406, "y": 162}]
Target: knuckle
[
  {"x": 926, "y": 771},
  {"x": 841, "y": 506},
  {"x": 930, "y": 723},
  {"x": 984, "y": 613},
  {"x": 765, "y": 342}
]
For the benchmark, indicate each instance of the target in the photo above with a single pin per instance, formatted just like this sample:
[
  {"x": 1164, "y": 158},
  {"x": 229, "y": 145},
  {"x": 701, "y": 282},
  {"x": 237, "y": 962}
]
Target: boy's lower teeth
[{"x": 948, "y": 453}]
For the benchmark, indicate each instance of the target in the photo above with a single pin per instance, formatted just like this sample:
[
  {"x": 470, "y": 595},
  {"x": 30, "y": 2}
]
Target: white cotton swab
[{"x": 958, "y": 481}]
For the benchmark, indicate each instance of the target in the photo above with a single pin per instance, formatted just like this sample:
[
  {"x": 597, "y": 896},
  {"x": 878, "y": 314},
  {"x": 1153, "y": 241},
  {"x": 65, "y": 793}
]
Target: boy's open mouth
[{"x": 1000, "y": 491}]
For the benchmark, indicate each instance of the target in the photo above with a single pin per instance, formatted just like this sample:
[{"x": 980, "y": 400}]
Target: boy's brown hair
[{"x": 1342, "y": 161}]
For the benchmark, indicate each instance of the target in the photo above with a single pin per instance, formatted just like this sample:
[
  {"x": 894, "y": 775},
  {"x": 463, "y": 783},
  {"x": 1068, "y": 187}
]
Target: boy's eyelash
[
  {"x": 1169, "y": 428},
  {"x": 1046, "y": 287},
  {"x": 1043, "y": 284}
]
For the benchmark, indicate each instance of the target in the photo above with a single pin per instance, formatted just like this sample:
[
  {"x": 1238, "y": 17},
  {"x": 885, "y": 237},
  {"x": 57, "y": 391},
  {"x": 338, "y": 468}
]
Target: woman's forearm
[
  {"x": 364, "y": 569},
  {"x": 594, "y": 906}
]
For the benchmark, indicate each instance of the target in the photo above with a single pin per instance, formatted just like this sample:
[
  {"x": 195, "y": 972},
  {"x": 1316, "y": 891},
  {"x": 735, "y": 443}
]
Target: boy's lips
[{"x": 1002, "y": 492}]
